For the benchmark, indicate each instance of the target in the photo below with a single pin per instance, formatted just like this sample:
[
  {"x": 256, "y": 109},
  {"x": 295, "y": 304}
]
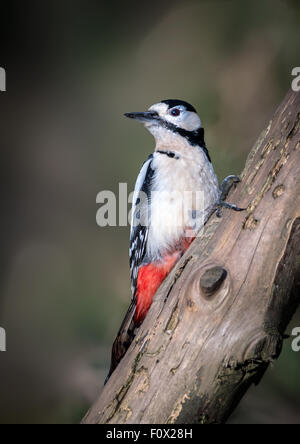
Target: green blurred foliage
[{"x": 74, "y": 67}]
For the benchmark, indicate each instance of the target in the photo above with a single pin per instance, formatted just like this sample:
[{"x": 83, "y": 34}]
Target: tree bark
[{"x": 219, "y": 319}]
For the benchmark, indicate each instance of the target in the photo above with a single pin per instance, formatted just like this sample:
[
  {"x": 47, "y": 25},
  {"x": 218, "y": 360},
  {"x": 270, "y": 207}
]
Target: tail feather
[{"x": 123, "y": 340}]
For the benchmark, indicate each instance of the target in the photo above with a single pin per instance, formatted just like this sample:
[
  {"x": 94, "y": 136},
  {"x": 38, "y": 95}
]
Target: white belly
[{"x": 183, "y": 192}]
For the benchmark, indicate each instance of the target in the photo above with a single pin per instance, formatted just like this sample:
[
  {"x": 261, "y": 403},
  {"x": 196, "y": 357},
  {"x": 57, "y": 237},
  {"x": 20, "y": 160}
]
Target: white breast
[{"x": 183, "y": 191}]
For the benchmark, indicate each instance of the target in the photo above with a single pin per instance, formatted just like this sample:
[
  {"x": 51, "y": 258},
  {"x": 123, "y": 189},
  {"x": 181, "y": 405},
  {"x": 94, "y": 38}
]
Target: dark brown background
[{"x": 73, "y": 68}]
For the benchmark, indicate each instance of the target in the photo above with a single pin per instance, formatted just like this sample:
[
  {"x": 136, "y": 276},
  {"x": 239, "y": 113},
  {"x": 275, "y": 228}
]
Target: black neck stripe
[
  {"x": 195, "y": 138},
  {"x": 170, "y": 154}
]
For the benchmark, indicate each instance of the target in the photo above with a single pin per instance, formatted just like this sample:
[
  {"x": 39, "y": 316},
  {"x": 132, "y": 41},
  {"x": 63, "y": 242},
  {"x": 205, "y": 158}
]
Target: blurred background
[{"x": 73, "y": 68}]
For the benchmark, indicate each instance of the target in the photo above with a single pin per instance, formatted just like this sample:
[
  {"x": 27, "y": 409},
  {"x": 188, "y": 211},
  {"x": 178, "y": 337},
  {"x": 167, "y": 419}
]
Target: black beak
[{"x": 147, "y": 116}]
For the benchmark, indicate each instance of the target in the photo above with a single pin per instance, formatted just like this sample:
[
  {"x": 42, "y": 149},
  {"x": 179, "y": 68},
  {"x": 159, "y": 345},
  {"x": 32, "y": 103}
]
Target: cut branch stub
[{"x": 212, "y": 280}]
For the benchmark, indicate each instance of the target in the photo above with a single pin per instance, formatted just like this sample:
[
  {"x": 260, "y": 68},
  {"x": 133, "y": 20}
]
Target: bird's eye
[{"x": 175, "y": 112}]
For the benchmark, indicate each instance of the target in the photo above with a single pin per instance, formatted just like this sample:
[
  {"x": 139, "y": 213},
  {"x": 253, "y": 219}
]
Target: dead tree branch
[{"x": 218, "y": 320}]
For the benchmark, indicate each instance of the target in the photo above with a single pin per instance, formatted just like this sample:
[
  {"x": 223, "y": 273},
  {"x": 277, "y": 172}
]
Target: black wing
[
  {"x": 137, "y": 251},
  {"x": 139, "y": 232}
]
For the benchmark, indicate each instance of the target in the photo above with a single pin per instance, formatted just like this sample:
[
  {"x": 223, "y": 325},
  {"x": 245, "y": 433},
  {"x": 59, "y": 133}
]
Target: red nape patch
[{"x": 149, "y": 279}]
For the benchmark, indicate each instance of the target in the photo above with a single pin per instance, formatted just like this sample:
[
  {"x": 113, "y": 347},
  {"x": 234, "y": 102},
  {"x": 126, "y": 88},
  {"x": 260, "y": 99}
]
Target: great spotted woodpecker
[{"x": 163, "y": 222}]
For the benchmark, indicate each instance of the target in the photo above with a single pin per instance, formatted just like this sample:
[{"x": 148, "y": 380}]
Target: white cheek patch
[
  {"x": 188, "y": 121},
  {"x": 191, "y": 121}
]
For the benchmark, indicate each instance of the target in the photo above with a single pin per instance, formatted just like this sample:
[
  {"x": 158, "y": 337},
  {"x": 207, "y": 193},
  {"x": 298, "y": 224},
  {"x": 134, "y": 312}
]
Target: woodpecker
[{"x": 180, "y": 166}]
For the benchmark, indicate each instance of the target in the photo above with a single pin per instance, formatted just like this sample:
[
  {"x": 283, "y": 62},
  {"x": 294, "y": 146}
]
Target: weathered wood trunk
[{"x": 219, "y": 319}]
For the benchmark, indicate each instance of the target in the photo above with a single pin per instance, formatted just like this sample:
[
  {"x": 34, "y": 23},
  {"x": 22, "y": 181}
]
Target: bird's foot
[
  {"x": 225, "y": 188},
  {"x": 227, "y": 184},
  {"x": 221, "y": 205}
]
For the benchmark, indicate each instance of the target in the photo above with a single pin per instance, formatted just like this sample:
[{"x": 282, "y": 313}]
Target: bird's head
[{"x": 175, "y": 116}]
